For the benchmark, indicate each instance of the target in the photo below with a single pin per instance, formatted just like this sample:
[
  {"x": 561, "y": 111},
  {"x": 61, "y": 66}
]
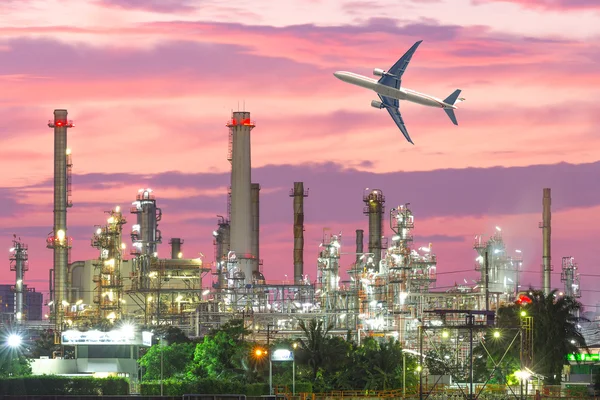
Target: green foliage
[
  {"x": 44, "y": 345},
  {"x": 178, "y": 387},
  {"x": 176, "y": 359},
  {"x": 171, "y": 334},
  {"x": 59, "y": 385},
  {"x": 13, "y": 363}
]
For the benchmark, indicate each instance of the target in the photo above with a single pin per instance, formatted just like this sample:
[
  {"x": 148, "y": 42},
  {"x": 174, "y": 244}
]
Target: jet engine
[
  {"x": 376, "y": 104},
  {"x": 378, "y": 72}
]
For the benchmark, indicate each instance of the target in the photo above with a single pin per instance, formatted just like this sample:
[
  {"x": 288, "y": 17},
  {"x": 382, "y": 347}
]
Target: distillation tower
[
  {"x": 374, "y": 208},
  {"x": 18, "y": 263},
  {"x": 570, "y": 277},
  {"x": 107, "y": 276},
  {"x": 499, "y": 270},
  {"x": 222, "y": 248},
  {"x": 58, "y": 240}
]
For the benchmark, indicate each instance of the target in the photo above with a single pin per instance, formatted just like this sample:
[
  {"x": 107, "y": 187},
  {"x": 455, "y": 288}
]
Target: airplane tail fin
[
  {"x": 452, "y": 100},
  {"x": 451, "y": 115}
]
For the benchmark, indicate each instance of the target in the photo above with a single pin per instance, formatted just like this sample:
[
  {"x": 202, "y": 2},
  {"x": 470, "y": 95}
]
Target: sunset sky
[{"x": 151, "y": 84}]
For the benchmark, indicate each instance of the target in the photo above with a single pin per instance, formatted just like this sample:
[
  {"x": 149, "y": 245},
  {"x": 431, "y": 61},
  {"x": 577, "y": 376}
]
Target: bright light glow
[
  {"x": 517, "y": 251},
  {"x": 98, "y": 231},
  {"x": 496, "y": 334},
  {"x": 14, "y": 340},
  {"x": 65, "y": 303},
  {"x": 179, "y": 298},
  {"x": 123, "y": 246},
  {"x": 68, "y": 152},
  {"x": 205, "y": 292},
  {"x": 128, "y": 329},
  {"x": 425, "y": 249},
  {"x": 60, "y": 235},
  {"x": 215, "y": 233},
  {"x": 179, "y": 255},
  {"x": 117, "y": 209},
  {"x": 11, "y": 249},
  {"x": 522, "y": 375},
  {"x": 19, "y": 316},
  {"x": 523, "y": 313},
  {"x": 111, "y": 220},
  {"x": 498, "y": 229},
  {"x": 445, "y": 334},
  {"x": 79, "y": 302},
  {"x": 396, "y": 237}
]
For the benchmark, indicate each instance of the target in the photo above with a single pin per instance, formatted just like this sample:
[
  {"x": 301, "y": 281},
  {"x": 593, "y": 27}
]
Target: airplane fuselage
[{"x": 388, "y": 91}]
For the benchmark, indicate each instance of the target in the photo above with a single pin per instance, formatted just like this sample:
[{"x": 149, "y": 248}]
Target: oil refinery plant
[{"x": 390, "y": 284}]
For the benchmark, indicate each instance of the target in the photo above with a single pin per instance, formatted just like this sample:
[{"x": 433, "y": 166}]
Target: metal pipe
[
  {"x": 222, "y": 244},
  {"x": 176, "y": 248},
  {"x": 546, "y": 240},
  {"x": 359, "y": 244},
  {"x": 298, "y": 193},
  {"x": 255, "y": 214},
  {"x": 240, "y": 127}
]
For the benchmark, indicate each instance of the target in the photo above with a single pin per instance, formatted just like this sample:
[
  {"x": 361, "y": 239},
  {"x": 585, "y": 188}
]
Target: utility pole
[{"x": 487, "y": 281}]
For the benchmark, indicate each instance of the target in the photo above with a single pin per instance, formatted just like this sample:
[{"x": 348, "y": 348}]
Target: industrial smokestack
[
  {"x": 359, "y": 245},
  {"x": 255, "y": 238},
  {"x": 176, "y": 248},
  {"x": 298, "y": 194},
  {"x": 240, "y": 127},
  {"x": 546, "y": 239},
  {"x": 145, "y": 234},
  {"x": 58, "y": 240},
  {"x": 374, "y": 207},
  {"x": 18, "y": 263}
]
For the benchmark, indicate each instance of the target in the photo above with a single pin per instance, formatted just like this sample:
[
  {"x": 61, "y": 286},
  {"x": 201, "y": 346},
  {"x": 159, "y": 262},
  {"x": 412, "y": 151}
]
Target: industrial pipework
[
  {"x": 374, "y": 208},
  {"x": 176, "y": 248},
  {"x": 359, "y": 245},
  {"x": 240, "y": 127},
  {"x": 546, "y": 241},
  {"x": 57, "y": 239},
  {"x": 107, "y": 275},
  {"x": 570, "y": 277},
  {"x": 298, "y": 193},
  {"x": 222, "y": 248},
  {"x": 255, "y": 238},
  {"x": 18, "y": 263}
]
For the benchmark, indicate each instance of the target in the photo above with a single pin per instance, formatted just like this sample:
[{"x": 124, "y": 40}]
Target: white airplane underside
[{"x": 389, "y": 91}]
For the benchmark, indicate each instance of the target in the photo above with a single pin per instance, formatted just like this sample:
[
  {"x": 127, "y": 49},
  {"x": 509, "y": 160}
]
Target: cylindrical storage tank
[
  {"x": 176, "y": 248},
  {"x": 374, "y": 208}
]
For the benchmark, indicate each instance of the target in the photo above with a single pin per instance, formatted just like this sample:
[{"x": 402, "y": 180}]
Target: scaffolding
[
  {"x": 18, "y": 264},
  {"x": 570, "y": 277},
  {"x": 108, "y": 293}
]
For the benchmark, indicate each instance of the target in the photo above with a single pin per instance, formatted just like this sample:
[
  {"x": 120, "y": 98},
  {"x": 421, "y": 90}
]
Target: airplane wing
[
  {"x": 394, "y": 75},
  {"x": 391, "y": 105}
]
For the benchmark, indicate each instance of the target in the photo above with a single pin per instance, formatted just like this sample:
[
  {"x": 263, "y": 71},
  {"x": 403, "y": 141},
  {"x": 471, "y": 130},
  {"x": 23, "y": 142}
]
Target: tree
[
  {"x": 176, "y": 358},
  {"x": 222, "y": 352},
  {"x": 14, "y": 363},
  {"x": 555, "y": 332},
  {"x": 313, "y": 346},
  {"x": 44, "y": 344}
]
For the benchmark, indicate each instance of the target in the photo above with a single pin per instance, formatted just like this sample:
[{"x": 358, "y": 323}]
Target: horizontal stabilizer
[
  {"x": 453, "y": 97},
  {"x": 451, "y": 115}
]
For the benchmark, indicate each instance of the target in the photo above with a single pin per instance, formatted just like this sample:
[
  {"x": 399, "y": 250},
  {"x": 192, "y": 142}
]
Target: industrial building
[{"x": 390, "y": 284}]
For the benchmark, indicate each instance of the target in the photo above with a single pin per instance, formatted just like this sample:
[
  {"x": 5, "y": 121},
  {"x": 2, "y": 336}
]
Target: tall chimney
[
  {"x": 240, "y": 127},
  {"x": 58, "y": 239},
  {"x": 359, "y": 245},
  {"x": 298, "y": 194},
  {"x": 18, "y": 263},
  {"x": 255, "y": 238},
  {"x": 176, "y": 248},
  {"x": 374, "y": 207},
  {"x": 145, "y": 234},
  {"x": 546, "y": 239}
]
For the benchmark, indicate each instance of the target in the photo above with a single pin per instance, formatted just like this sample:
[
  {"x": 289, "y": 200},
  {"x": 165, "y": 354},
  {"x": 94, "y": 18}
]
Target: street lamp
[{"x": 13, "y": 341}]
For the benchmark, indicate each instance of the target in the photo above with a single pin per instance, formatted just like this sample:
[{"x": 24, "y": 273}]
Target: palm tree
[
  {"x": 555, "y": 332},
  {"x": 314, "y": 345}
]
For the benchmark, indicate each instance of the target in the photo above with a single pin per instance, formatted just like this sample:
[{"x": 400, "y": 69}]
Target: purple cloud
[{"x": 159, "y": 6}]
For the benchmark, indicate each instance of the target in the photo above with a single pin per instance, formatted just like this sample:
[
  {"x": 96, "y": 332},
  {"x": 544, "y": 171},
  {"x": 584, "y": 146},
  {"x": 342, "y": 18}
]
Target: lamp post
[
  {"x": 162, "y": 357},
  {"x": 294, "y": 346}
]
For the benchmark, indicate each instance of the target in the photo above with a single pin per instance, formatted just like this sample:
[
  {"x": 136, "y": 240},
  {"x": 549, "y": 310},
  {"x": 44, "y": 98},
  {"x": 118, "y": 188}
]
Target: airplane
[{"x": 389, "y": 91}]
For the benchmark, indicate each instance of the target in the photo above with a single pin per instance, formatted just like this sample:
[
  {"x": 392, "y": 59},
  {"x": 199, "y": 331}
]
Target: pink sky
[{"x": 151, "y": 87}]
